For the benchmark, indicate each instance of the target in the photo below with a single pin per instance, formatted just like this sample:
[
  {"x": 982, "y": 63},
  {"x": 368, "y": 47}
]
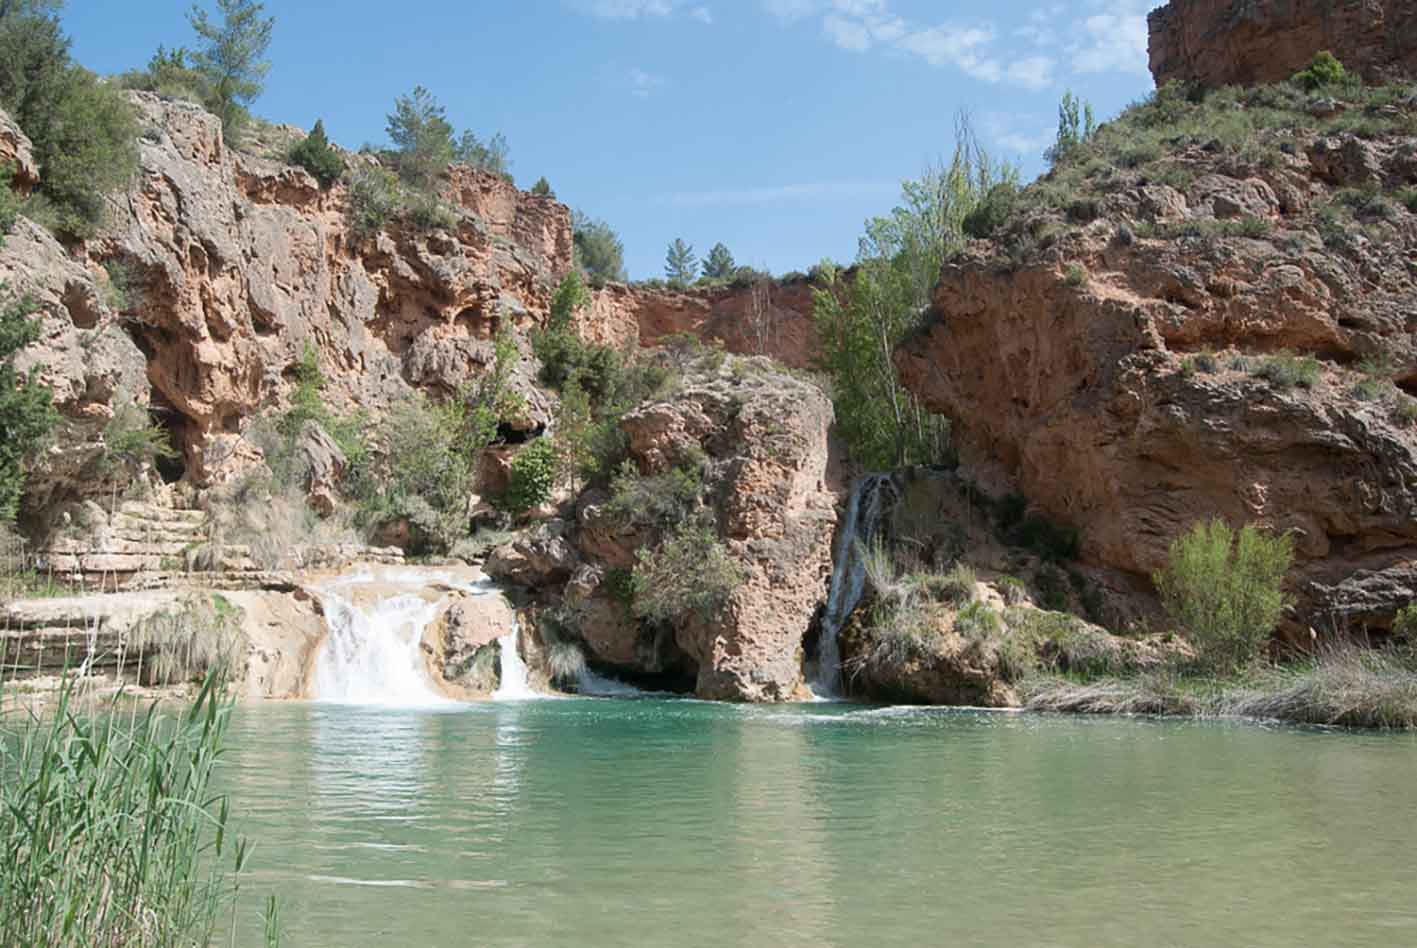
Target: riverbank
[{"x": 1357, "y": 688}]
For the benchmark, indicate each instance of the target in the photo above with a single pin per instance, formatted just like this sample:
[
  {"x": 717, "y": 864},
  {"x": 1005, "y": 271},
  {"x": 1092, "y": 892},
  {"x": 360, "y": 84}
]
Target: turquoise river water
[{"x": 645, "y": 822}]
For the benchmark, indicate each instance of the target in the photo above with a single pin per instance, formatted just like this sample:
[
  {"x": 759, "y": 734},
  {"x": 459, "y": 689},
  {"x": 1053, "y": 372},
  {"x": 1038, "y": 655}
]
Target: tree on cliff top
[
  {"x": 231, "y": 58},
  {"x": 418, "y": 126},
  {"x": 719, "y": 264},
  {"x": 680, "y": 264},
  {"x": 598, "y": 250},
  {"x": 316, "y": 155},
  {"x": 492, "y": 156},
  {"x": 26, "y": 412}
]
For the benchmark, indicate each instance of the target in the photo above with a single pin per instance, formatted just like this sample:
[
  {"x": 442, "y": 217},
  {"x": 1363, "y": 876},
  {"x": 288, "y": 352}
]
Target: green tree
[
  {"x": 680, "y": 264},
  {"x": 316, "y": 155},
  {"x": 575, "y": 431},
  {"x": 860, "y": 322},
  {"x": 1224, "y": 589},
  {"x": 532, "y": 477},
  {"x": 1076, "y": 127},
  {"x": 27, "y": 412},
  {"x": 599, "y": 251},
  {"x": 232, "y": 57},
  {"x": 490, "y": 156},
  {"x": 83, "y": 130},
  {"x": 9, "y": 202},
  {"x": 169, "y": 73},
  {"x": 719, "y": 264},
  {"x": 542, "y": 188},
  {"x": 418, "y": 127}
]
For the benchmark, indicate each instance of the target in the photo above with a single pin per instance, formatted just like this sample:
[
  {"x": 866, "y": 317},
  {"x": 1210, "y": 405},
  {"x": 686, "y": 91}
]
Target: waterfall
[
  {"x": 513, "y": 685},
  {"x": 871, "y": 498},
  {"x": 373, "y": 653}
]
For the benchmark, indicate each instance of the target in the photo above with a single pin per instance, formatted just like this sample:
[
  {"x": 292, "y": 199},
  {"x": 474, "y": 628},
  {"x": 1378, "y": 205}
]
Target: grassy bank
[
  {"x": 111, "y": 832},
  {"x": 1349, "y": 687}
]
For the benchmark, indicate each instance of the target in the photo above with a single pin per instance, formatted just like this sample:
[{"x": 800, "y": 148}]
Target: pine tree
[
  {"x": 599, "y": 250},
  {"x": 317, "y": 156},
  {"x": 680, "y": 264},
  {"x": 418, "y": 127},
  {"x": 231, "y": 57},
  {"x": 719, "y": 265},
  {"x": 542, "y": 188}
]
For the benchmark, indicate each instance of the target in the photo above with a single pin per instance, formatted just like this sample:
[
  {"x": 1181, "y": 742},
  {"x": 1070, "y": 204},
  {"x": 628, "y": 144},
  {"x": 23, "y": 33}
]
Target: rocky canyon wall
[{"x": 1242, "y": 42}]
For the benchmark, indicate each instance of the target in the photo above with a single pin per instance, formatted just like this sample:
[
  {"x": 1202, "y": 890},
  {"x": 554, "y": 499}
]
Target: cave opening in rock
[{"x": 171, "y": 467}]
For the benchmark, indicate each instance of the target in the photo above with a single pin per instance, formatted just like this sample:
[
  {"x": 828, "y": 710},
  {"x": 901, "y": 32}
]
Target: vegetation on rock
[
  {"x": 27, "y": 413},
  {"x": 315, "y": 154},
  {"x": 231, "y": 58}
]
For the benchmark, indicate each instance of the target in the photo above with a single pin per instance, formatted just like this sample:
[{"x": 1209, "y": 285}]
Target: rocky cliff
[
  {"x": 1241, "y": 42},
  {"x": 1213, "y": 322},
  {"x": 218, "y": 269}
]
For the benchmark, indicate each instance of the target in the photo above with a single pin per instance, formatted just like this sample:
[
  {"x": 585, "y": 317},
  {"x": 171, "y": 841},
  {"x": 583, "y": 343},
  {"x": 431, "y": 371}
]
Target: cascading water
[
  {"x": 513, "y": 685},
  {"x": 374, "y": 652},
  {"x": 871, "y": 498}
]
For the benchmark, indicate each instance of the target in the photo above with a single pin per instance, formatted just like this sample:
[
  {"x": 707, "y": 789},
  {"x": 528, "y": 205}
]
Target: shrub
[
  {"x": 1408, "y": 198},
  {"x": 978, "y": 622},
  {"x": 1285, "y": 370},
  {"x": 1013, "y": 590},
  {"x": 492, "y": 156},
  {"x": 373, "y": 199},
  {"x": 993, "y": 212},
  {"x": 1324, "y": 70},
  {"x": 112, "y": 831},
  {"x": 1052, "y": 541},
  {"x": 316, "y": 155},
  {"x": 599, "y": 252},
  {"x": 1404, "y": 411},
  {"x": 422, "y": 475},
  {"x": 1076, "y": 275},
  {"x": 957, "y": 585},
  {"x": 27, "y": 412},
  {"x": 1052, "y": 586},
  {"x": 689, "y": 574},
  {"x": 565, "y": 660},
  {"x": 201, "y": 638},
  {"x": 542, "y": 188},
  {"x": 428, "y": 213},
  {"x": 1224, "y": 589},
  {"x": 533, "y": 476},
  {"x": 9, "y": 203},
  {"x": 1204, "y": 361},
  {"x": 653, "y": 500}
]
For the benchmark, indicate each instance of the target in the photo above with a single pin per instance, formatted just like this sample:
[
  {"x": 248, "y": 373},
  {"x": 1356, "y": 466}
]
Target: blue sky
[{"x": 775, "y": 126}]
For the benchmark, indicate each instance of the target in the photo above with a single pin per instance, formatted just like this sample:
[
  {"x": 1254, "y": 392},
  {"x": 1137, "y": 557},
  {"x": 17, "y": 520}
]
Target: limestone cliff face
[
  {"x": 1120, "y": 377},
  {"x": 1239, "y": 42},
  {"x": 768, "y": 318},
  {"x": 217, "y": 269}
]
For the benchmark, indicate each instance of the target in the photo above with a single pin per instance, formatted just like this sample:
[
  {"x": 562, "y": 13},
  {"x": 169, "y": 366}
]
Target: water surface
[{"x": 606, "y": 823}]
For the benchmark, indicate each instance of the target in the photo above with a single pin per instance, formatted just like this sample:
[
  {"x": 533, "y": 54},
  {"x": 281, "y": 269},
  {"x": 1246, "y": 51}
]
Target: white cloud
[
  {"x": 1056, "y": 36},
  {"x": 1026, "y": 136},
  {"x": 644, "y": 84},
  {"x": 641, "y": 9},
  {"x": 779, "y": 194}
]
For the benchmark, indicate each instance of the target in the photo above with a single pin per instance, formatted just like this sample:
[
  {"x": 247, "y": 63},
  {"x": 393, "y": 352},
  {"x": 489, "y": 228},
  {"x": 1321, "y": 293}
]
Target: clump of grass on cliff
[{"x": 111, "y": 831}]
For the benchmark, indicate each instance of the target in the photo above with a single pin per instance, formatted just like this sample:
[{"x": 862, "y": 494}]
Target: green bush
[
  {"x": 993, "y": 212},
  {"x": 1324, "y": 71},
  {"x": 542, "y": 188},
  {"x": 1285, "y": 370},
  {"x": 27, "y": 412},
  {"x": 425, "y": 213},
  {"x": 9, "y": 202},
  {"x": 653, "y": 500},
  {"x": 689, "y": 574},
  {"x": 599, "y": 252},
  {"x": 374, "y": 198},
  {"x": 533, "y": 476},
  {"x": 978, "y": 622},
  {"x": 419, "y": 128},
  {"x": 1075, "y": 276},
  {"x": 316, "y": 155},
  {"x": 169, "y": 74},
  {"x": 1225, "y": 589}
]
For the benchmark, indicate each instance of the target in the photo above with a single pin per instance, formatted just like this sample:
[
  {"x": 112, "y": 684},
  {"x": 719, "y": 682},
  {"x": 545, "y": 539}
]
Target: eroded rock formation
[
  {"x": 1121, "y": 377},
  {"x": 1243, "y": 42}
]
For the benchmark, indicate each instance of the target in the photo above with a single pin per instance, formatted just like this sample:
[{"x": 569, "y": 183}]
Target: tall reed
[{"x": 111, "y": 831}]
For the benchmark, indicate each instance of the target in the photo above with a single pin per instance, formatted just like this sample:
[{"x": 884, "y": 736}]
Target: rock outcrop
[
  {"x": 218, "y": 270},
  {"x": 17, "y": 155},
  {"x": 1242, "y": 42},
  {"x": 1238, "y": 345},
  {"x": 766, "y": 317}
]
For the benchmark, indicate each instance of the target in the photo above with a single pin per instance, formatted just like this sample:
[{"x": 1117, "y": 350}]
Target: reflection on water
[{"x": 609, "y": 823}]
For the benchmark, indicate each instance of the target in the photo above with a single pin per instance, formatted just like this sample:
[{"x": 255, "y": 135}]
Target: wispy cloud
[
  {"x": 644, "y": 84},
  {"x": 1111, "y": 39},
  {"x": 779, "y": 194},
  {"x": 641, "y": 9}
]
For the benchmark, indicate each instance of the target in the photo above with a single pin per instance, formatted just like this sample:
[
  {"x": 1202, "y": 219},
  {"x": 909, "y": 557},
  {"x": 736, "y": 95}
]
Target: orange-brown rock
[
  {"x": 1120, "y": 375},
  {"x": 1243, "y": 42},
  {"x": 766, "y": 317},
  {"x": 234, "y": 264},
  {"x": 17, "y": 155},
  {"x": 763, "y": 433}
]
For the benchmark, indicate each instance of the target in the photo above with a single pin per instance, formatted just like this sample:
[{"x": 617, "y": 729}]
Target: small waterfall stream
[
  {"x": 872, "y": 497},
  {"x": 373, "y": 654}
]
